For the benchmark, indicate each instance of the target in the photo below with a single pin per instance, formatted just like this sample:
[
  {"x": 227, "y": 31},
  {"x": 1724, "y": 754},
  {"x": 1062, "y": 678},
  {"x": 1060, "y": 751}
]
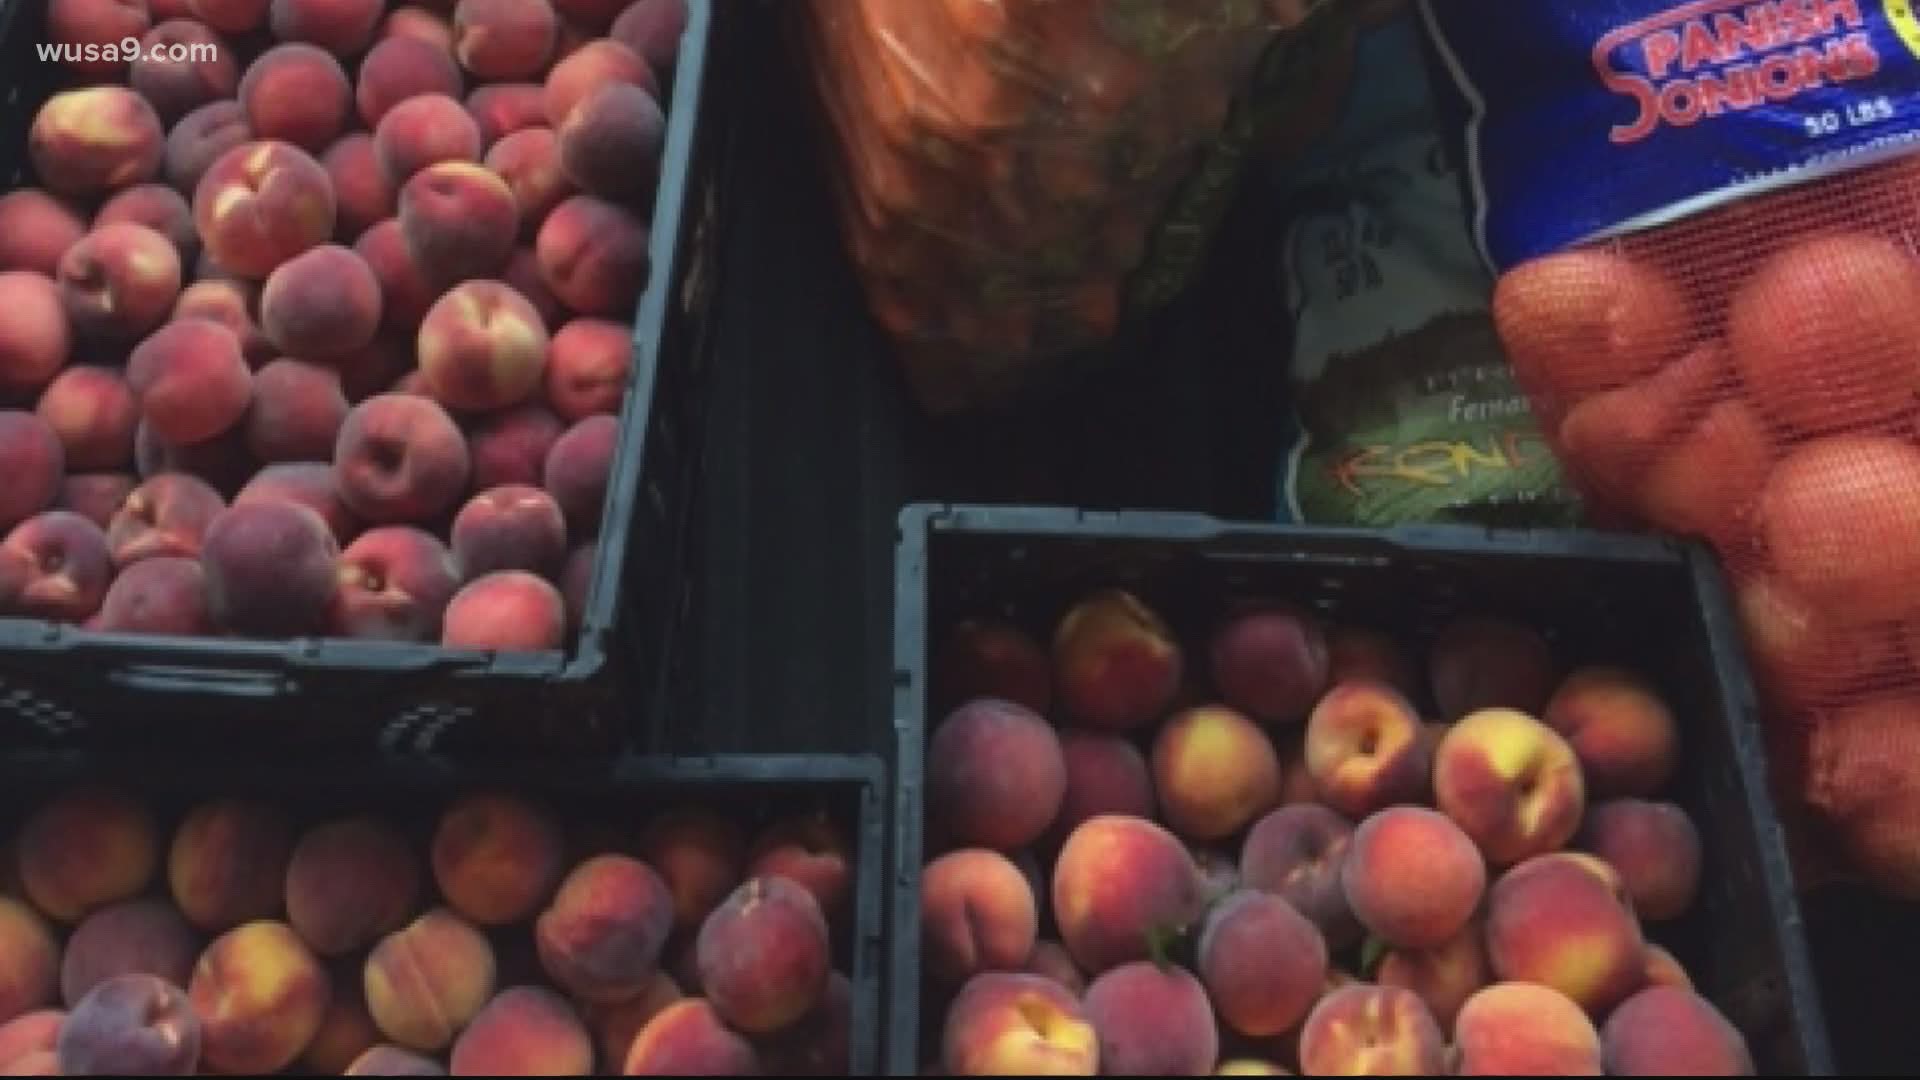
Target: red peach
[
  {"x": 1621, "y": 731},
  {"x": 1412, "y": 877},
  {"x": 995, "y": 775},
  {"x": 270, "y": 569},
  {"x": 482, "y": 347},
  {"x": 303, "y": 483},
  {"x": 231, "y": 304},
  {"x": 1444, "y": 977},
  {"x": 92, "y": 30},
  {"x": 35, "y": 230},
  {"x": 1215, "y": 772},
  {"x": 416, "y": 22},
  {"x": 509, "y": 528},
  {"x": 296, "y": 93},
  {"x": 35, "y": 462},
  {"x": 459, "y": 221},
  {"x": 988, "y": 658},
  {"x": 1011, "y": 1025},
  {"x": 297, "y": 412},
  {"x": 1298, "y": 853},
  {"x": 504, "y": 108},
  {"x": 596, "y": 64},
  {"x": 701, "y": 857},
  {"x": 166, "y": 516},
  {"x": 87, "y": 848},
  {"x": 88, "y": 142},
  {"x": 529, "y": 161},
  {"x": 653, "y": 29},
  {"x": 1262, "y": 962},
  {"x": 503, "y": 39},
  {"x": 342, "y": 27},
  {"x": 134, "y": 1025},
  {"x": 92, "y": 412},
  {"x": 524, "y": 1030},
  {"x": 31, "y": 975},
  {"x": 578, "y": 467},
  {"x": 1271, "y": 665},
  {"x": 510, "y": 447},
  {"x": 348, "y": 883},
  {"x": 1152, "y": 1021},
  {"x": 55, "y": 566},
  {"x": 135, "y": 937},
  {"x": 399, "y": 459},
  {"x": 158, "y": 207},
  {"x": 399, "y": 68},
  {"x": 427, "y": 981},
  {"x": 321, "y": 303},
  {"x": 262, "y": 203},
  {"x": 1654, "y": 847},
  {"x": 95, "y": 496},
  {"x": 1364, "y": 749},
  {"x": 977, "y": 913},
  {"x": 1518, "y": 1029},
  {"x": 423, "y": 130},
  {"x": 395, "y": 584},
  {"x": 1662, "y": 1031},
  {"x": 1117, "y": 881},
  {"x": 1116, "y": 665},
  {"x": 363, "y": 195},
  {"x": 191, "y": 381},
  {"x": 507, "y": 611},
  {"x": 199, "y": 138},
  {"x": 1511, "y": 783},
  {"x": 688, "y": 1038},
  {"x": 601, "y": 937},
  {"x": 611, "y": 142},
  {"x": 181, "y": 66},
  {"x": 1565, "y": 921},
  {"x": 34, "y": 338},
  {"x": 594, "y": 256},
  {"x": 1371, "y": 1031},
  {"x": 810, "y": 851},
  {"x": 118, "y": 283},
  {"x": 1106, "y": 774},
  {"x": 228, "y": 863},
  {"x": 405, "y": 289},
  {"x": 763, "y": 955}
]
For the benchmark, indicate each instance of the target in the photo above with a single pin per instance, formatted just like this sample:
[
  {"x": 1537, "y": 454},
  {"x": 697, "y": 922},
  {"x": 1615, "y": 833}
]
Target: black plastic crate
[
  {"x": 754, "y": 791},
  {"x": 1657, "y": 607},
  {"x": 62, "y": 686}
]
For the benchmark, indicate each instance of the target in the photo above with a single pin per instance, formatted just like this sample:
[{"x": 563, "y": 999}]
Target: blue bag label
[{"x": 1603, "y": 117}]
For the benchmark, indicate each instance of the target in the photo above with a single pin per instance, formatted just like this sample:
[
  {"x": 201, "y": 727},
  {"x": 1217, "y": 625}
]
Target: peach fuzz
[
  {"x": 297, "y": 411},
  {"x": 25, "y": 1038},
  {"x": 459, "y": 221},
  {"x": 1117, "y": 881},
  {"x": 594, "y": 256},
  {"x": 1585, "y": 321},
  {"x": 406, "y": 292},
  {"x": 688, "y": 1038},
  {"x": 228, "y": 863},
  {"x": 482, "y": 347},
  {"x": 1519, "y": 1029},
  {"x": 198, "y": 139},
  {"x": 348, "y": 883},
  {"x": 95, "y": 496},
  {"x": 99, "y": 24},
  {"x": 1152, "y": 1021},
  {"x": 156, "y": 596},
  {"x": 588, "y": 371},
  {"x": 1443, "y": 977},
  {"x": 1215, "y": 771},
  {"x": 578, "y": 468},
  {"x": 1664, "y": 1031},
  {"x": 86, "y": 143},
  {"x": 1831, "y": 533},
  {"x": 158, "y": 207},
  {"x": 763, "y": 957},
  {"x": 346, "y": 1032},
  {"x": 260, "y": 204},
  {"x": 611, "y": 142},
  {"x": 85, "y": 849},
  {"x": 989, "y": 658},
  {"x": 395, "y": 584},
  {"x": 92, "y": 412},
  {"x": 977, "y": 913},
  {"x": 1364, "y": 749},
  {"x": 995, "y": 775},
  {"x": 1566, "y": 922},
  {"x": 321, "y": 303},
  {"x": 296, "y": 93},
  {"x": 1272, "y": 665},
  {"x": 133, "y": 1025},
  {"x": 363, "y": 196},
  {"x": 400, "y": 68},
  {"x": 29, "y": 977},
  {"x": 524, "y": 1030},
  {"x": 497, "y": 40},
  {"x": 134, "y": 937},
  {"x": 1116, "y": 664},
  {"x": 504, "y": 108},
  {"x": 1371, "y": 1031},
  {"x": 506, "y": 611},
  {"x": 701, "y": 857},
  {"x": 118, "y": 283},
  {"x": 1297, "y": 853},
  {"x": 424, "y": 983},
  {"x": 496, "y": 858},
  {"x": 260, "y": 996},
  {"x": 1655, "y": 849},
  {"x": 400, "y": 458},
  {"x": 35, "y": 339},
  {"x": 33, "y": 451},
  {"x": 1511, "y": 783},
  {"x": 1009, "y": 1024},
  {"x": 1480, "y": 663},
  {"x": 181, "y": 66},
  {"x": 602, "y": 936},
  {"x": 1412, "y": 877},
  {"x": 1106, "y": 774},
  {"x": 1623, "y": 734},
  {"x": 653, "y": 29},
  {"x": 302, "y": 483},
  {"x": 35, "y": 230},
  {"x": 342, "y": 27},
  {"x": 165, "y": 516},
  {"x": 423, "y": 130},
  {"x": 1262, "y": 962},
  {"x": 810, "y": 851},
  {"x": 615, "y": 1024},
  {"x": 270, "y": 569}
]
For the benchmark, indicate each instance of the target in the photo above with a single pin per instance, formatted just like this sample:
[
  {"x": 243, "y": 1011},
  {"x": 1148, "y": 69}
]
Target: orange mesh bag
[{"x": 1711, "y": 292}]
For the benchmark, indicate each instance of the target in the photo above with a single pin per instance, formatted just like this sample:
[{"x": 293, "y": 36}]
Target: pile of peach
[
  {"x": 326, "y": 332},
  {"x": 1284, "y": 866},
  {"x": 497, "y": 940}
]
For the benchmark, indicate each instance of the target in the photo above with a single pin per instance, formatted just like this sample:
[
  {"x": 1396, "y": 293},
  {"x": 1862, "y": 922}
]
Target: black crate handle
[{"x": 173, "y": 679}]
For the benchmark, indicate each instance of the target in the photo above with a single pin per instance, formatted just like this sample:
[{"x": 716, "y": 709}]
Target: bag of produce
[{"x": 1704, "y": 217}]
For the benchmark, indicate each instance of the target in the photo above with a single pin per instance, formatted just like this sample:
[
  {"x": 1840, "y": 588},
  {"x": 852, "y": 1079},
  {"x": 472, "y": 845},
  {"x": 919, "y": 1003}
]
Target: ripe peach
[
  {"x": 499, "y": 40},
  {"x": 1565, "y": 921},
  {"x": 349, "y": 882},
  {"x": 181, "y": 66},
  {"x": 1010, "y": 1024},
  {"x": 228, "y": 863},
  {"x": 34, "y": 461},
  {"x": 34, "y": 339},
  {"x": 342, "y": 27},
  {"x": 1621, "y": 731},
  {"x": 524, "y": 1030},
  {"x": 297, "y": 411},
  {"x": 425, "y": 129},
  {"x": 528, "y": 160},
  {"x": 1298, "y": 853},
  {"x": 95, "y": 26},
  {"x": 1444, "y": 977},
  {"x": 1511, "y": 783},
  {"x": 95, "y": 496},
  {"x": 810, "y": 851},
  {"x": 701, "y": 857},
  {"x": 198, "y": 139},
  {"x": 54, "y": 566},
  {"x": 92, "y": 412},
  {"x": 1655, "y": 849},
  {"x": 504, "y": 108},
  {"x": 30, "y": 976},
  {"x": 262, "y": 203},
  {"x": 688, "y": 1038},
  {"x": 1117, "y": 881},
  {"x": 303, "y": 483},
  {"x": 594, "y": 256},
  {"x": 1480, "y": 663},
  {"x": 995, "y": 775},
  {"x": 1412, "y": 877},
  {"x": 321, "y": 303},
  {"x": 231, "y": 304},
  {"x": 1116, "y": 664},
  {"x": 652, "y": 28},
  {"x": 578, "y": 467},
  {"x": 395, "y": 584},
  {"x": 459, "y": 221},
  {"x": 230, "y": 16},
  {"x": 260, "y": 996},
  {"x": 506, "y": 611},
  {"x": 977, "y": 913},
  {"x": 405, "y": 288},
  {"x": 1271, "y": 665},
  {"x": 363, "y": 195},
  {"x": 1518, "y": 1029},
  {"x": 424, "y": 23},
  {"x": 400, "y": 458},
  {"x": 763, "y": 955},
  {"x": 35, "y": 230},
  {"x": 134, "y": 1025},
  {"x": 1215, "y": 772},
  {"x": 1662, "y": 1031},
  {"x": 1584, "y": 321},
  {"x": 510, "y": 447},
  {"x": 270, "y": 570},
  {"x": 425, "y": 982},
  {"x": 496, "y": 858},
  {"x": 523, "y": 276},
  {"x": 1833, "y": 535},
  {"x": 1364, "y": 749},
  {"x": 89, "y": 142},
  {"x": 1705, "y": 483},
  {"x": 601, "y": 938},
  {"x": 482, "y": 347},
  {"x": 596, "y": 64},
  {"x": 1105, "y": 775},
  {"x": 1371, "y": 1031},
  {"x": 158, "y": 207},
  {"x": 1152, "y": 1021},
  {"x": 1262, "y": 962},
  {"x": 399, "y": 68},
  {"x": 611, "y": 141},
  {"x": 135, "y": 937},
  {"x": 118, "y": 283},
  {"x": 296, "y": 93}
]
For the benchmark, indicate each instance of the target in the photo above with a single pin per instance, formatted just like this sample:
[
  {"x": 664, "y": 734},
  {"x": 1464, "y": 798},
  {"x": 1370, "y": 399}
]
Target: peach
[
  {"x": 653, "y": 29},
  {"x": 157, "y": 596},
  {"x": 602, "y": 936},
  {"x": 321, "y": 303},
  {"x": 688, "y": 1038},
  {"x": 260, "y": 996},
  {"x": 505, "y": 611},
  {"x": 346, "y": 1032},
  {"x": 1271, "y": 665},
  {"x": 977, "y": 913},
  {"x": 228, "y": 863},
  {"x": 35, "y": 230},
  {"x": 426, "y": 23},
  {"x": 400, "y": 458},
  {"x": 510, "y": 447},
  {"x": 459, "y": 221},
  {"x": 611, "y": 141},
  {"x": 810, "y": 851},
  {"x": 496, "y": 858},
  {"x": 260, "y": 204},
  {"x": 1009, "y": 1025},
  {"x": 594, "y": 256},
  {"x": 995, "y": 774},
  {"x": 363, "y": 195},
  {"x": 1833, "y": 536},
  {"x": 1116, "y": 664},
  {"x": 35, "y": 339},
  {"x": 270, "y": 569},
  {"x": 399, "y": 68},
  {"x": 423, "y": 130},
  {"x": 1051, "y": 960},
  {"x": 616, "y": 1024},
  {"x": 482, "y": 347},
  {"x": 29, "y": 978},
  {"x": 405, "y": 289},
  {"x": 1511, "y": 783},
  {"x": 231, "y": 304},
  {"x": 1117, "y": 881},
  {"x": 1356, "y": 653},
  {"x": 1621, "y": 731},
  {"x": 1151, "y": 1021},
  {"x": 1215, "y": 772},
  {"x": 96, "y": 27},
  {"x": 393, "y": 1061},
  {"x": 342, "y": 27},
  {"x": 296, "y": 93},
  {"x": 700, "y": 856},
  {"x": 200, "y": 138},
  {"x": 1262, "y": 962},
  {"x": 1662, "y": 969},
  {"x": 133, "y": 1025},
  {"x": 118, "y": 282},
  {"x": 85, "y": 849},
  {"x": 504, "y": 108},
  {"x": 1518, "y": 1029},
  {"x": 1663, "y": 1031},
  {"x": 596, "y": 64},
  {"x": 763, "y": 955},
  {"x": 1565, "y": 921},
  {"x": 989, "y": 658},
  {"x": 95, "y": 496},
  {"x": 498, "y": 40},
  {"x": 231, "y": 16},
  {"x": 302, "y": 483},
  {"x": 1412, "y": 877},
  {"x": 92, "y": 412},
  {"x": 578, "y": 467},
  {"x": 1655, "y": 849},
  {"x": 1443, "y": 977},
  {"x": 528, "y": 160},
  {"x": 134, "y": 937},
  {"x": 524, "y": 277},
  {"x": 88, "y": 142},
  {"x": 181, "y": 66},
  {"x": 165, "y": 516},
  {"x": 28, "y": 1041},
  {"x": 1482, "y": 663},
  {"x": 1584, "y": 321},
  {"x": 576, "y": 583},
  {"x": 54, "y": 566},
  {"x": 1371, "y": 1031},
  {"x": 425, "y": 982},
  {"x": 1105, "y": 775},
  {"x": 297, "y": 411},
  {"x": 348, "y": 883},
  {"x": 1298, "y": 853},
  {"x": 526, "y": 1030},
  {"x": 159, "y": 208},
  {"x": 395, "y": 584},
  {"x": 1364, "y": 749}
]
